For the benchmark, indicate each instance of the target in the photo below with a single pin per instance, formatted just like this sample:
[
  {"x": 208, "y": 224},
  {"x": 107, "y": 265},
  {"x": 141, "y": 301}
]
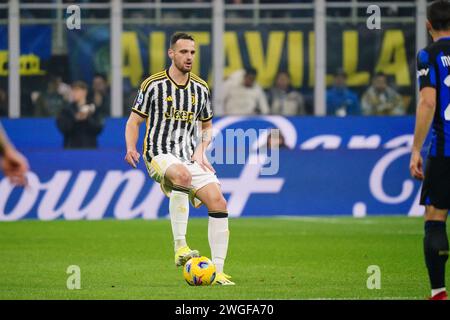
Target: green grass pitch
[{"x": 269, "y": 258}]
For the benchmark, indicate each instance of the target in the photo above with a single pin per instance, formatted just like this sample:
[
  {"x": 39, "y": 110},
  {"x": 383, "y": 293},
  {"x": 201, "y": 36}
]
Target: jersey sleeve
[
  {"x": 426, "y": 75},
  {"x": 207, "y": 113},
  {"x": 141, "y": 104}
]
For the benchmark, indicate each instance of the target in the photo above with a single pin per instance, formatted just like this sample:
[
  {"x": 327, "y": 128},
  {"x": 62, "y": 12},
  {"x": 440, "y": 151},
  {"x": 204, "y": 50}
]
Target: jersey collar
[{"x": 179, "y": 86}]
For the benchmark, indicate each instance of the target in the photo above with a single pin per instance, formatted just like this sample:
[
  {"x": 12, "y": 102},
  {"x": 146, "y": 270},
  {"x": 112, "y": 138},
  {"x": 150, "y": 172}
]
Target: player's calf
[{"x": 436, "y": 248}]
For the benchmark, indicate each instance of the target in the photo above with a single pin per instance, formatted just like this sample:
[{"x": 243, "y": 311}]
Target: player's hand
[
  {"x": 416, "y": 165},
  {"x": 203, "y": 161},
  {"x": 15, "y": 167},
  {"x": 132, "y": 157}
]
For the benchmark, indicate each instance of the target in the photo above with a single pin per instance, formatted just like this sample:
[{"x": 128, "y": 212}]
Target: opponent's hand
[
  {"x": 15, "y": 167},
  {"x": 416, "y": 165},
  {"x": 132, "y": 157},
  {"x": 203, "y": 161}
]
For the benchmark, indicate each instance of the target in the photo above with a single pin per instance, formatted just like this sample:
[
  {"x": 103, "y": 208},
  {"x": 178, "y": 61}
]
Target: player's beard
[{"x": 180, "y": 66}]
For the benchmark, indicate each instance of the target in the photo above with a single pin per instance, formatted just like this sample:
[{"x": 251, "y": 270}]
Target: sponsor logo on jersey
[
  {"x": 423, "y": 72},
  {"x": 179, "y": 115},
  {"x": 445, "y": 61}
]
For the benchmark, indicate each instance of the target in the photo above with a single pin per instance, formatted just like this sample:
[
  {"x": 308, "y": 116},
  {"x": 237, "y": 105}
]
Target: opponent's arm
[
  {"x": 12, "y": 162},
  {"x": 131, "y": 138},
  {"x": 200, "y": 152},
  {"x": 424, "y": 117},
  {"x": 4, "y": 142}
]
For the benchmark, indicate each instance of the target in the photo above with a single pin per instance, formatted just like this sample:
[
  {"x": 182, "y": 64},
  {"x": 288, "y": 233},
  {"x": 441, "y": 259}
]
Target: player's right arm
[
  {"x": 425, "y": 111},
  {"x": 138, "y": 115},
  {"x": 131, "y": 138},
  {"x": 424, "y": 117}
]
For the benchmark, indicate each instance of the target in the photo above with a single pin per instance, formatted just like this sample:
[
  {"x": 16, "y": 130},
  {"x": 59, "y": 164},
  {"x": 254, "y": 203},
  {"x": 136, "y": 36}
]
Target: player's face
[{"x": 182, "y": 54}]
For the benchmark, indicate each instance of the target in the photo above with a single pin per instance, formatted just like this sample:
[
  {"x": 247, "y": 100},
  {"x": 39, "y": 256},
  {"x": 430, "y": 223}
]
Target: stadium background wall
[
  {"x": 269, "y": 48},
  {"x": 332, "y": 166}
]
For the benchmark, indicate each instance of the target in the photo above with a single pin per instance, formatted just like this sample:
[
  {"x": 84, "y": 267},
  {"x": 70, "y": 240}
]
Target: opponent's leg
[
  {"x": 435, "y": 245},
  {"x": 218, "y": 233},
  {"x": 180, "y": 179}
]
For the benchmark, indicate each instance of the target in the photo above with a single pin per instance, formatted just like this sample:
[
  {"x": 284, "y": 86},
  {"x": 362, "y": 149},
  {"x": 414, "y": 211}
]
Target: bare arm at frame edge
[
  {"x": 131, "y": 138},
  {"x": 424, "y": 118}
]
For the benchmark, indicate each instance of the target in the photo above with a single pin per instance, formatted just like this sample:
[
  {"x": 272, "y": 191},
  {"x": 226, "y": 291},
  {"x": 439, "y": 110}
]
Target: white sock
[
  {"x": 218, "y": 241},
  {"x": 179, "y": 214},
  {"x": 436, "y": 291}
]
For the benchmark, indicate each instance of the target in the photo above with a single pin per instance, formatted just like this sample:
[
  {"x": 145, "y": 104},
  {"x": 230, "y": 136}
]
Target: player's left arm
[{"x": 199, "y": 155}]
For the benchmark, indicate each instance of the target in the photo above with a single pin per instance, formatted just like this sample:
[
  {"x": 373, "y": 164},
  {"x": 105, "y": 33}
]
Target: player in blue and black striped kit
[{"x": 433, "y": 72}]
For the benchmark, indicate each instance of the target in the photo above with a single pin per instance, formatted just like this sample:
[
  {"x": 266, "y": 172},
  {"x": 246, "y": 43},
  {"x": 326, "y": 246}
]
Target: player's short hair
[
  {"x": 438, "y": 14},
  {"x": 180, "y": 35},
  {"x": 79, "y": 85}
]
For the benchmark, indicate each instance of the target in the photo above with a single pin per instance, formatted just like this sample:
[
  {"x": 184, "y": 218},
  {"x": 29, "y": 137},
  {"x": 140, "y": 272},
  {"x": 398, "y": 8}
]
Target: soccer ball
[{"x": 199, "y": 271}]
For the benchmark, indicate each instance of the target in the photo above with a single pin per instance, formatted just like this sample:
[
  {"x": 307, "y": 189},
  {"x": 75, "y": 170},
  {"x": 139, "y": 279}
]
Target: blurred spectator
[
  {"x": 51, "y": 102},
  {"x": 3, "y": 103},
  {"x": 237, "y": 13},
  {"x": 341, "y": 101},
  {"x": 380, "y": 99},
  {"x": 100, "y": 94},
  {"x": 284, "y": 99},
  {"x": 243, "y": 96},
  {"x": 80, "y": 122},
  {"x": 63, "y": 89},
  {"x": 275, "y": 139}
]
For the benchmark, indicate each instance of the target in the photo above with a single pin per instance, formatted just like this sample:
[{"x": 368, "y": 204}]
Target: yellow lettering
[
  {"x": 311, "y": 58},
  {"x": 350, "y": 60},
  {"x": 3, "y": 63},
  {"x": 157, "y": 52},
  {"x": 29, "y": 64},
  {"x": 267, "y": 67},
  {"x": 295, "y": 58},
  {"x": 132, "y": 62},
  {"x": 393, "y": 57},
  {"x": 233, "y": 59}
]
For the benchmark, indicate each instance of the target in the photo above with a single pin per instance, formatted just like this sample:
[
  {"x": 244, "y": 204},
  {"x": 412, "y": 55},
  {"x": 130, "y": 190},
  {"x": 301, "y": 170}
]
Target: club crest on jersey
[
  {"x": 140, "y": 98},
  {"x": 180, "y": 115}
]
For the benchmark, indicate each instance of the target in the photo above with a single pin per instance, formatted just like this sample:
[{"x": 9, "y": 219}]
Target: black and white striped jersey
[{"x": 172, "y": 112}]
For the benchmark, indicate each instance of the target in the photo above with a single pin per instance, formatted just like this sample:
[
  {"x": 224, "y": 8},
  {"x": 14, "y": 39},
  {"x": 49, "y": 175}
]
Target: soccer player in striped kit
[
  {"x": 433, "y": 72},
  {"x": 174, "y": 103}
]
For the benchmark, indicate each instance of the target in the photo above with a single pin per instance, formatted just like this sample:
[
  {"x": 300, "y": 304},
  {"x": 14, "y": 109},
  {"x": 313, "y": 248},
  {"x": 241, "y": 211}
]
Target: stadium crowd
[{"x": 242, "y": 96}]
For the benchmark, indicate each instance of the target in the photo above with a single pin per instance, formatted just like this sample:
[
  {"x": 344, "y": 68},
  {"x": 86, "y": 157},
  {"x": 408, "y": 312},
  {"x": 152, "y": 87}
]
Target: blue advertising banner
[
  {"x": 329, "y": 166},
  {"x": 35, "y": 49}
]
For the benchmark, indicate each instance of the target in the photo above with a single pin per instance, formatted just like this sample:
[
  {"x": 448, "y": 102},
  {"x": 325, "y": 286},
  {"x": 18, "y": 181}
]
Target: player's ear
[
  {"x": 429, "y": 27},
  {"x": 171, "y": 53}
]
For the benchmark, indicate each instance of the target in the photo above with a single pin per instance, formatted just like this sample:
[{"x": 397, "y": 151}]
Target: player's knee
[
  {"x": 218, "y": 202},
  {"x": 435, "y": 214},
  {"x": 182, "y": 178}
]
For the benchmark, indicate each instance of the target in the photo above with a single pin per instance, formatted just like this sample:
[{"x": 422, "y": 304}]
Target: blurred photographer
[{"x": 80, "y": 122}]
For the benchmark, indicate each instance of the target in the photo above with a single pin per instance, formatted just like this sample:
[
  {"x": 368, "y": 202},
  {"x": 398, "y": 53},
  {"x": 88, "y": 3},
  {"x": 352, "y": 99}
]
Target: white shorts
[{"x": 200, "y": 178}]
